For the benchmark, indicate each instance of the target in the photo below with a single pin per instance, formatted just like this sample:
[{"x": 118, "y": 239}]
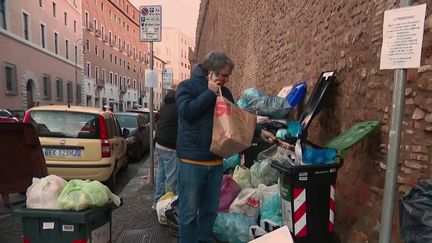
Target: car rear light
[
  {"x": 27, "y": 116},
  {"x": 105, "y": 148},
  {"x": 26, "y": 240},
  {"x": 102, "y": 128},
  {"x": 79, "y": 241}
]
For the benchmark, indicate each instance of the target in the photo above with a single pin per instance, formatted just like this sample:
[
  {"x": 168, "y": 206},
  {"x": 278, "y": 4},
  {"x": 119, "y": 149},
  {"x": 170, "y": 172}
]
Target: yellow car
[{"x": 80, "y": 142}]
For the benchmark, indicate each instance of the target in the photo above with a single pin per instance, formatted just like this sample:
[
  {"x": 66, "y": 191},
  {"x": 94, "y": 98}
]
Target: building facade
[
  {"x": 115, "y": 59},
  {"x": 174, "y": 49},
  {"x": 40, "y": 56}
]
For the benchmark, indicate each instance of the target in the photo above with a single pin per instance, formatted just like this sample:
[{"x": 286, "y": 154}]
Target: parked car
[
  {"x": 7, "y": 116},
  {"x": 80, "y": 142},
  {"x": 146, "y": 113},
  {"x": 19, "y": 114},
  {"x": 138, "y": 140}
]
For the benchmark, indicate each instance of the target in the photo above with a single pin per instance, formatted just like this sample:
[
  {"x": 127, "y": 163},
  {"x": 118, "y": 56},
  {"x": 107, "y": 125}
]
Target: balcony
[{"x": 100, "y": 83}]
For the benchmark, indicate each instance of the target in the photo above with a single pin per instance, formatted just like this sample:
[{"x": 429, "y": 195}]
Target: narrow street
[{"x": 134, "y": 222}]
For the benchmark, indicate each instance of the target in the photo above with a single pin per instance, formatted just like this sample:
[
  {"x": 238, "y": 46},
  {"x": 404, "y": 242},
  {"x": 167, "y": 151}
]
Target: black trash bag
[
  {"x": 273, "y": 125},
  {"x": 172, "y": 216},
  {"x": 271, "y": 106},
  {"x": 415, "y": 214}
]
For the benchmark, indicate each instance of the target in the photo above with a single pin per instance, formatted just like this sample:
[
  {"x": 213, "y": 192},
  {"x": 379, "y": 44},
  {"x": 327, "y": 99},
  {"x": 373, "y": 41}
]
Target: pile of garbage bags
[
  {"x": 53, "y": 192},
  {"x": 250, "y": 203}
]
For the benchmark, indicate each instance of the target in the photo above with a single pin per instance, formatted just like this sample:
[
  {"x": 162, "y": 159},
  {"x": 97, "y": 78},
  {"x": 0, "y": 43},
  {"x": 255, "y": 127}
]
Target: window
[
  {"x": 111, "y": 58},
  {"x": 95, "y": 24},
  {"x": 115, "y": 60},
  {"x": 102, "y": 7},
  {"x": 54, "y": 9},
  {"x": 11, "y": 78},
  {"x": 88, "y": 45},
  {"x": 120, "y": 61},
  {"x": 96, "y": 50},
  {"x": 115, "y": 39},
  {"x": 75, "y": 25},
  {"x": 59, "y": 89},
  {"x": 110, "y": 36},
  {"x": 78, "y": 93},
  {"x": 69, "y": 91},
  {"x": 134, "y": 84},
  {"x": 115, "y": 79},
  {"x": 26, "y": 26},
  {"x": 134, "y": 52},
  {"x": 103, "y": 54},
  {"x": 103, "y": 32},
  {"x": 65, "y": 18},
  {"x": 47, "y": 87},
  {"x": 103, "y": 75},
  {"x": 88, "y": 70},
  {"x": 111, "y": 77},
  {"x": 67, "y": 49},
  {"x": 127, "y": 27},
  {"x": 41, "y": 3},
  {"x": 96, "y": 72},
  {"x": 42, "y": 28},
  {"x": 86, "y": 20},
  {"x": 2, "y": 14},
  {"x": 56, "y": 43},
  {"x": 76, "y": 54}
]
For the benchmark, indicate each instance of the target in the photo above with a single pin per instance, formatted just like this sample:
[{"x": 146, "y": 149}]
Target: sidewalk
[{"x": 136, "y": 221}]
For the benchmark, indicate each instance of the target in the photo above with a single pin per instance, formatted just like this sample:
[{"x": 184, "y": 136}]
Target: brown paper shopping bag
[{"x": 233, "y": 128}]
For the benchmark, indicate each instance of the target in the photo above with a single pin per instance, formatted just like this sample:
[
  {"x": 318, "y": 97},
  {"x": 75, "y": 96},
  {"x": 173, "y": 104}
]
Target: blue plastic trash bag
[
  {"x": 251, "y": 93},
  {"x": 232, "y": 227},
  {"x": 241, "y": 103},
  {"x": 313, "y": 155},
  {"x": 281, "y": 133},
  {"x": 271, "y": 213},
  {"x": 231, "y": 162},
  {"x": 293, "y": 128},
  {"x": 297, "y": 93},
  {"x": 271, "y": 106}
]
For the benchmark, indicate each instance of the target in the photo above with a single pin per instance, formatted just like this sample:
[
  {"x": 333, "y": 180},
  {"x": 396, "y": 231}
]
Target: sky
[{"x": 178, "y": 14}]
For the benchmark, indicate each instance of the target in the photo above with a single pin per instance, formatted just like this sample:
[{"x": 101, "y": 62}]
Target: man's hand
[
  {"x": 268, "y": 137},
  {"x": 213, "y": 83}
]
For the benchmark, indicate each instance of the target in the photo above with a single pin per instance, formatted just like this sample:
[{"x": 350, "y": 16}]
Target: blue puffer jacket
[{"x": 195, "y": 106}]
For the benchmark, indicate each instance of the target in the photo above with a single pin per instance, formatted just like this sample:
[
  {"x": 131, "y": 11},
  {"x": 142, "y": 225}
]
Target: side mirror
[{"x": 126, "y": 132}]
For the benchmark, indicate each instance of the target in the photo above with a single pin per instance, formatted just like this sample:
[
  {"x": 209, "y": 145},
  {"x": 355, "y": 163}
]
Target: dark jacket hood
[
  {"x": 198, "y": 73},
  {"x": 170, "y": 97}
]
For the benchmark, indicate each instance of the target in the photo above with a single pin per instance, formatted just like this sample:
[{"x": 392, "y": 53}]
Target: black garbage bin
[
  {"x": 250, "y": 154},
  {"x": 308, "y": 200}
]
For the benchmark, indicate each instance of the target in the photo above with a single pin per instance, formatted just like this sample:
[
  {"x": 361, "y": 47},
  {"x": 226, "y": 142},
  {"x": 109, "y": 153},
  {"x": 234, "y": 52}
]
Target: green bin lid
[{"x": 353, "y": 135}]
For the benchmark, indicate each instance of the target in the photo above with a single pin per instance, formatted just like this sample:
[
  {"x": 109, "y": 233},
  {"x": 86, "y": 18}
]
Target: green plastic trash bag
[
  {"x": 262, "y": 173},
  {"x": 251, "y": 93},
  {"x": 231, "y": 162},
  {"x": 232, "y": 228},
  {"x": 242, "y": 176},
  {"x": 79, "y": 194},
  {"x": 271, "y": 213},
  {"x": 241, "y": 103}
]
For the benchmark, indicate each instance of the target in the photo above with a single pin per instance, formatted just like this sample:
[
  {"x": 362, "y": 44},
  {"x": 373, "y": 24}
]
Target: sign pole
[
  {"x": 400, "y": 76},
  {"x": 151, "y": 120}
]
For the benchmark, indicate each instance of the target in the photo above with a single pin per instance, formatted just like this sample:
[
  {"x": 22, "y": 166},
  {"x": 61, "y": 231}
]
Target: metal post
[
  {"x": 151, "y": 120},
  {"x": 400, "y": 76}
]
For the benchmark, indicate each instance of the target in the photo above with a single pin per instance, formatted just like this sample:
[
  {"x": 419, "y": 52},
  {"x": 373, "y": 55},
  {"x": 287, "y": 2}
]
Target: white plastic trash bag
[
  {"x": 162, "y": 206},
  {"x": 43, "y": 193},
  {"x": 262, "y": 173},
  {"x": 247, "y": 202}
]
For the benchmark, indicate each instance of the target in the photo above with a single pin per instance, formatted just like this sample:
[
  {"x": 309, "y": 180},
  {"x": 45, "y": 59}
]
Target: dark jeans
[{"x": 199, "y": 193}]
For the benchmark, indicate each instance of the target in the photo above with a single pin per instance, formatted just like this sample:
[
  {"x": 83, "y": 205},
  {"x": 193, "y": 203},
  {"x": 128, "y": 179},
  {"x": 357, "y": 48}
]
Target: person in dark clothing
[
  {"x": 200, "y": 172},
  {"x": 165, "y": 148}
]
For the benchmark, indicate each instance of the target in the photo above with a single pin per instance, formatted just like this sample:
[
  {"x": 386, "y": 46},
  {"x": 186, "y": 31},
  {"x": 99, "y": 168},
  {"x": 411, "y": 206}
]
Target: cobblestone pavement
[{"x": 134, "y": 222}]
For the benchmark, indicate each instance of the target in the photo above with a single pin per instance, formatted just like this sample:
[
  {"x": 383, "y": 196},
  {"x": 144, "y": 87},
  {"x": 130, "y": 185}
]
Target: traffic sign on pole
[
  {"x": 167, "y": 77},
  {"x": 151, "y": 23}
]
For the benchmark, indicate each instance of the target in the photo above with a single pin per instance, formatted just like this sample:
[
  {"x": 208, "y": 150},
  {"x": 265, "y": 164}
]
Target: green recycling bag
[{"x": 79, "y": 194}]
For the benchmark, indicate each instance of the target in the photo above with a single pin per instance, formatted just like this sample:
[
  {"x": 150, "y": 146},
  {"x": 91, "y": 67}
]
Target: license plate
[{"x": 74, "y": 153}]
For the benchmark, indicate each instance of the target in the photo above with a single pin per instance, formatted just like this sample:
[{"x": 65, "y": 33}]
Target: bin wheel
[{"x": 112, "y": 181}]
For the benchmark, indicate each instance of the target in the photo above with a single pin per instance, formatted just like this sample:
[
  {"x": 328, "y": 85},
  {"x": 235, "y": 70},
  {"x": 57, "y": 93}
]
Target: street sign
[
  {"x": 151, "y": 23},
  {"x": 167, "y": 77},
  {"x": 402, "y": 37},
  {"x": 151, "y": 78}
]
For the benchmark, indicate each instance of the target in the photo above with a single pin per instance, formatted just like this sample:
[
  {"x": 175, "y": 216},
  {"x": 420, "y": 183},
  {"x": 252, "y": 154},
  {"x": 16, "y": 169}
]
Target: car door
[{"x": 121, "y": 141}]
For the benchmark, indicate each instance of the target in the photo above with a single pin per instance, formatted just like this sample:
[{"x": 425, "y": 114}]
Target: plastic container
[
  {"x": 22, "y": 158},
  {"x": 53, "y": 226}
]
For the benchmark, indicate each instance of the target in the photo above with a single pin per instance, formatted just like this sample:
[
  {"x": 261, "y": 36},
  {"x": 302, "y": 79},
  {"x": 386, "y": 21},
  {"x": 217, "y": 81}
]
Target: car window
[
  {"x": 65, "y": 124},
  {"x": 127, "y": 121},
  {"x": 5, "y": 113},
  {"x": 117, "y": 126}
]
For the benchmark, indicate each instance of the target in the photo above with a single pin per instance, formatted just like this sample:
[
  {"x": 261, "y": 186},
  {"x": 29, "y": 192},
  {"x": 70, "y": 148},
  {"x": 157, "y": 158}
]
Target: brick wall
[{"x": 277, "y": 43}]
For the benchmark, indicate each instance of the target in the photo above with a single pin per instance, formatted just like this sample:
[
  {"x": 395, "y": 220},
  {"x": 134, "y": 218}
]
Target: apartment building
[{"x": 40, "y": 55}]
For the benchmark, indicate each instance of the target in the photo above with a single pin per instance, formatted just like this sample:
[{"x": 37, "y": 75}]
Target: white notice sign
[
  {"x": 167, "y": 78},
  {"x": 150, "y": 23},
  {"x": 402, "y": 37},
  {"x": 151, "y": 78}
]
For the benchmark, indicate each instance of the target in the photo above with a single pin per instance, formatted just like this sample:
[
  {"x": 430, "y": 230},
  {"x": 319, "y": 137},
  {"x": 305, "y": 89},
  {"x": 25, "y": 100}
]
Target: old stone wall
[{"x": 280, "y": 42}]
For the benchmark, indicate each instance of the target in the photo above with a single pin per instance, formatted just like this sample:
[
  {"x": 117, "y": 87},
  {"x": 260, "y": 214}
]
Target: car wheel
[{"x": 111, "y": 183}]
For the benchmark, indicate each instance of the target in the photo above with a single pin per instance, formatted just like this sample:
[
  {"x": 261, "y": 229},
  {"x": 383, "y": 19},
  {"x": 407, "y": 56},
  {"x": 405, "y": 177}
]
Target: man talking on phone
[{"x": 200, "y": 173}]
